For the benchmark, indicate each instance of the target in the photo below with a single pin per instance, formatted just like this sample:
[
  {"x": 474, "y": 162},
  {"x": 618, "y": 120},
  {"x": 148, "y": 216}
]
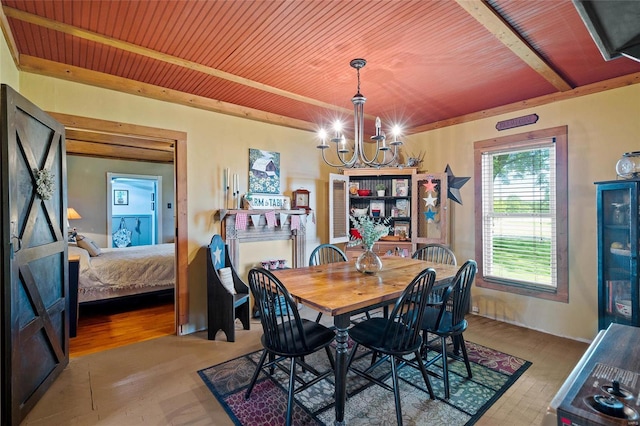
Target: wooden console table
[{"x": 234, "y": 237}]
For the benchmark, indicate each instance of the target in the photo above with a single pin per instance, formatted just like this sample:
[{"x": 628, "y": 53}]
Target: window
[{"x": 521, "y": 213}]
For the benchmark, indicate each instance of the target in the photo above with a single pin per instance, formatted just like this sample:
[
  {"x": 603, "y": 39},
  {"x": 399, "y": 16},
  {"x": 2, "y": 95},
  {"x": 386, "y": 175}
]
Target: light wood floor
[{"x": 155, "y": 382}]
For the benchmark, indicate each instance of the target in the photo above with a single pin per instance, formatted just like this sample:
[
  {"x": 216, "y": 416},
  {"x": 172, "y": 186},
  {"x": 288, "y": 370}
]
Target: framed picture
[
  {"x": 399, "y": 187},
  {"x": 403, "y": 208},
  {"x": 120, "y": 197},
  {"x": 264, "y": 172},
  {"x": 376, "y": 208},
  {"x": 401, "y": 229}
]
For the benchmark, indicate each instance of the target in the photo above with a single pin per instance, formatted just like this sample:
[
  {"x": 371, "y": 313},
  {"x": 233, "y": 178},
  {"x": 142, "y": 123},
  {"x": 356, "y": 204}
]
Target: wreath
[{"x": 44, "y": 183}]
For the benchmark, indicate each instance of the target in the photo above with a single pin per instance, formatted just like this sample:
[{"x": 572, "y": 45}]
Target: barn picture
[{"x": 264, "y": 171}]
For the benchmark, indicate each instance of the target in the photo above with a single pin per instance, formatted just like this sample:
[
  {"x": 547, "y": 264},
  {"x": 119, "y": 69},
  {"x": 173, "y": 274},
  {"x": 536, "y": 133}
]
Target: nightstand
[{"x": 74, "y": 272}]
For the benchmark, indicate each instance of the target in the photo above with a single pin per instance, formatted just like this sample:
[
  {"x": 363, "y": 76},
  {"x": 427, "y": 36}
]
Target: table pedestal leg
[{"x": 342, "y": 324}]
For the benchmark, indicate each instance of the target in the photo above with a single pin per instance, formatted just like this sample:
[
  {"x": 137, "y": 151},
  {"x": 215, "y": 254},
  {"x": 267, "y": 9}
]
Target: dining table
[{"x": 341, "y": 291}]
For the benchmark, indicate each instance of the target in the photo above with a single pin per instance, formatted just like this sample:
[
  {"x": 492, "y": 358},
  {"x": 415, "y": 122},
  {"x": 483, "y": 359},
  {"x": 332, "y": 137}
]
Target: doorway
[
  {"x": 109, "y": 139},
  {"x": 133, "y": 202}
]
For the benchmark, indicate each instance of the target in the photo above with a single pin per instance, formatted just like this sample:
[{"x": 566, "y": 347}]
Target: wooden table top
[{"x": 338, "y": 288}]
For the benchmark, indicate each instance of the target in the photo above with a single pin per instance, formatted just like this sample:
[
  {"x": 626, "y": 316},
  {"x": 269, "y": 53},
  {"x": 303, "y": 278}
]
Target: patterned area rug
[{"x": 493, "y": 373}]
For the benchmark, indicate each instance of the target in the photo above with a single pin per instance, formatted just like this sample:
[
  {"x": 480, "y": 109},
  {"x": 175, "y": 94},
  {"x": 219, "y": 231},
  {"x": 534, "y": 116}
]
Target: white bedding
[{"x": 125, "y": 271}]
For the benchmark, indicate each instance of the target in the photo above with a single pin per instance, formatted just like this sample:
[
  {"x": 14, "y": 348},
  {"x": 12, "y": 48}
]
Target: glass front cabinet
[{"x": 617, "y": 210}]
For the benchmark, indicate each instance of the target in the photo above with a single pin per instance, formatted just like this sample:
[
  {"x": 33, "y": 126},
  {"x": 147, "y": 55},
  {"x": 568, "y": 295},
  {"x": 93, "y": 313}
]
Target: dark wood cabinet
[{"x": 617, "y": 211}]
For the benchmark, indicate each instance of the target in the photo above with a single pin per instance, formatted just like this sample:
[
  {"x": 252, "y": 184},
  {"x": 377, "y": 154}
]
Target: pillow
[
  {"x": 89, "y": 245},
  {"x": 227, "y": 280}
]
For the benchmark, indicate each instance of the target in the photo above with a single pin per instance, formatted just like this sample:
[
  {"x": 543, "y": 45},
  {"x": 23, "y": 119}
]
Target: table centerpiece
[{"x": 368, "y": 231}]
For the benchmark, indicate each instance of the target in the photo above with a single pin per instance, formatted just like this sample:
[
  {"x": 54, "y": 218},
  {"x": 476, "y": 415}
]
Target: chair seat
[
  {"x": 370, "y": 334},
  {"x": 239, "y": 299},
  {"x": 317, "y": 336},
  {"x": 431, "y": 317}
]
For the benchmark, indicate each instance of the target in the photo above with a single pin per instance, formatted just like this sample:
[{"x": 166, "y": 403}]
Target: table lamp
[{"x": 72, "y": 214}]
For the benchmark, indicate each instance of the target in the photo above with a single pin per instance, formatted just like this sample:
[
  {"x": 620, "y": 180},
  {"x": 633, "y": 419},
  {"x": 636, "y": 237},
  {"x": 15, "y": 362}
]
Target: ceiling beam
[
  {"x": 504, "y": 32},
  {"x": 8, "y": 36},
  {"x": 106, "y": 81},
  {"x": 153, "y": 54}
]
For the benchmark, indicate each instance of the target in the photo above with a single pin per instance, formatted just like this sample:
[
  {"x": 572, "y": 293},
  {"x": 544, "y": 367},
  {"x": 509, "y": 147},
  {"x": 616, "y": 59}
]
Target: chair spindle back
[{"x": 279, "y": 316}]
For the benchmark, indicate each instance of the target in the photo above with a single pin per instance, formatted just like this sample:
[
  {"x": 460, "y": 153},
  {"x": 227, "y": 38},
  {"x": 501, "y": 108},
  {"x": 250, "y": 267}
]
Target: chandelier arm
[
  {"x": 374, "y": 163},
  {"x": 351, "y": 161},
  {"x": 371, "y": 162},
  {"x": 395, "y": 155},
  {"x": 347, "y": 164}
]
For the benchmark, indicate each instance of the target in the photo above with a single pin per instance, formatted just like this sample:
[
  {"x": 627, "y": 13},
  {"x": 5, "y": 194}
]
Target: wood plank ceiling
[{"x": 430, "y": 63}]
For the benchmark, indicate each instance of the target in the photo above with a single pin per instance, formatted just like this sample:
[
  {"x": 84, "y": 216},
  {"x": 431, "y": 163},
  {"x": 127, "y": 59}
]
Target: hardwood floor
[
  {"x": 155, "y": 382},
  {"x": 115, "y": 324}
]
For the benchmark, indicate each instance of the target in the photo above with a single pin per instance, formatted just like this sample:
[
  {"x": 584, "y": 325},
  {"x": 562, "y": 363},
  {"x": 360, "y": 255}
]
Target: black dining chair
[
  {"x": 447, "y": 321},
  {"x": 396, "y": 336},
  {"x": 326, "y": 253},
  {"x": 436, "y": 253},
  {"x": 286, "y": 335}
]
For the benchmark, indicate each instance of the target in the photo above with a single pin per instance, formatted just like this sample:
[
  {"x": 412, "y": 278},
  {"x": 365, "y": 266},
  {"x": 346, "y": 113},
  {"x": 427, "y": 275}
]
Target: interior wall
[
  {"x": 8, "y": 72},
  {"x": 601, "y": 127},
  {"x": 214, "y": 142},
  {"x": 87, "y": 193}
]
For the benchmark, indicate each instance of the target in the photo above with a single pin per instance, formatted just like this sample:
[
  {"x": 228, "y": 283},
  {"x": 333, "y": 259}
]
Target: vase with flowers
[{"x": 368, "y": 231}]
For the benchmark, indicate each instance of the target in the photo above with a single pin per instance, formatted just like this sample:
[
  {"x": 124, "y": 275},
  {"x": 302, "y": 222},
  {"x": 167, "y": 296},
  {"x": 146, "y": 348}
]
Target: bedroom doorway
[
  {"x": 134, "y": 202},
  {"x": 90, "y": 137}
]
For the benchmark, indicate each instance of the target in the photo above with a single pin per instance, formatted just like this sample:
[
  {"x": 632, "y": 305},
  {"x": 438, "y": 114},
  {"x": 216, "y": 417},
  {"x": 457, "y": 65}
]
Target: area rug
[{"x": 493, "y": 373}]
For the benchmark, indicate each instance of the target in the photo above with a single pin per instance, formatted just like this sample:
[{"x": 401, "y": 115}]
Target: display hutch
[
  {"x": 415, "y": 203},
  {"x": 617, "y": 211}
]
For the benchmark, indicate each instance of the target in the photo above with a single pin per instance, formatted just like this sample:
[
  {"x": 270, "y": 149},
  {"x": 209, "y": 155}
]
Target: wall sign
[
  {"x": 517, "y": 122},
  {"x": 266, "y": 202}
]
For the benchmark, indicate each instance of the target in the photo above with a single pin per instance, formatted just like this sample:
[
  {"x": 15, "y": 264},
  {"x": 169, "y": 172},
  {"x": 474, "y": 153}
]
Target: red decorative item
[
  {"x": 364, "y": 192},
  {"x": 355, "y": 234}
]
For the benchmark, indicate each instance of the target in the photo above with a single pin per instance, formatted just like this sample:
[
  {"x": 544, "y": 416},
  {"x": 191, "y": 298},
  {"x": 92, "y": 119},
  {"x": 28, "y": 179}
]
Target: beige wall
[
  {"x": 600, "y": 128},
  {"x": 8, "y": 71}
]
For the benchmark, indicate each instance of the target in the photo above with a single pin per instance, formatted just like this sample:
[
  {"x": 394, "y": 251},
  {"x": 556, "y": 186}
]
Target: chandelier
[{"x": 359, "y": 157}]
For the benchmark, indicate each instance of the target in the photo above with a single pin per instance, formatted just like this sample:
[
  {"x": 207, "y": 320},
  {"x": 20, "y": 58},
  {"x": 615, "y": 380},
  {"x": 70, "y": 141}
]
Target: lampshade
[{"x": 73, "y": 214}]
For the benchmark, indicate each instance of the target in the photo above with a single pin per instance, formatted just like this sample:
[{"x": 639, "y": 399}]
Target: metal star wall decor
[
  {"x": 454, "y": 183},
  {"x": 430, "y": 200},
  {"x": 430, "y": 186},
  {"x": 430, "y": 215}
]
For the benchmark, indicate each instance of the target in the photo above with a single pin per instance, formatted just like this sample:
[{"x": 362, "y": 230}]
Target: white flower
[{"x": 369, "y": 229}]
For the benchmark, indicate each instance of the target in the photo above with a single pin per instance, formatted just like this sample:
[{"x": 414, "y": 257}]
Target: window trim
[{"x": 525, "y": 140}]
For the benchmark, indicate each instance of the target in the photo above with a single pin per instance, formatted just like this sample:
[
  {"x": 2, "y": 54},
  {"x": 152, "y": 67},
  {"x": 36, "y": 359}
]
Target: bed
[{"x": 127, "y": 271}]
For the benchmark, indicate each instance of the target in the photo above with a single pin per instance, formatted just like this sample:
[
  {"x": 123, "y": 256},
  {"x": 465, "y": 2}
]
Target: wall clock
[{"x": 301, "y": 199}]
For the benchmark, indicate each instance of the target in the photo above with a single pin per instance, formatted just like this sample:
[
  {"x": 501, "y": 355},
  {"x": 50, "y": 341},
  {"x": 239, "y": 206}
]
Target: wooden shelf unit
[{"x": 426, "y": 207}]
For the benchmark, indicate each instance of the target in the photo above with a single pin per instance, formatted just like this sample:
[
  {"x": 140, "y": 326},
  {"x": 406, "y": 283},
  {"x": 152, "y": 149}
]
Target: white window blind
[{"x": 519, "y": 215}]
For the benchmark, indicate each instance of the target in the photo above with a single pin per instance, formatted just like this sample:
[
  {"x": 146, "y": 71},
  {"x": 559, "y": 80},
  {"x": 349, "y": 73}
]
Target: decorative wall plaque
[{"x": 517, "y": 122}]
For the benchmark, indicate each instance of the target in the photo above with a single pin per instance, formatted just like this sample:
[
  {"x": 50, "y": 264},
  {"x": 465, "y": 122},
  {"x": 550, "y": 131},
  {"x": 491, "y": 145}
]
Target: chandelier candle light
[{"x": 359, "y": 157}]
